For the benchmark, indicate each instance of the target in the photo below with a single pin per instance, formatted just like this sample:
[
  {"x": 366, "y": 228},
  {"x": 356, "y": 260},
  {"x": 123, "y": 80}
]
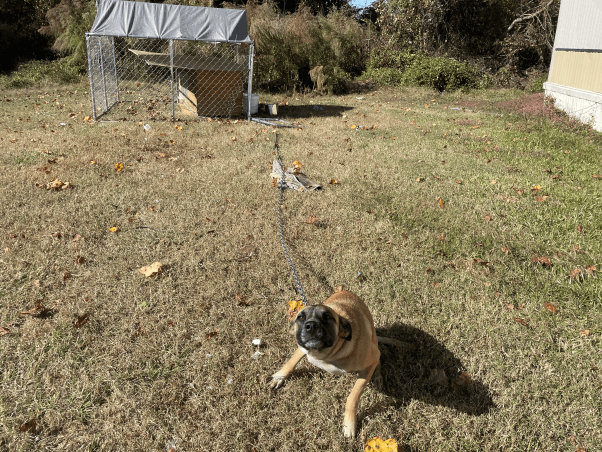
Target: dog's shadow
[{"x": 425, "y": 370}]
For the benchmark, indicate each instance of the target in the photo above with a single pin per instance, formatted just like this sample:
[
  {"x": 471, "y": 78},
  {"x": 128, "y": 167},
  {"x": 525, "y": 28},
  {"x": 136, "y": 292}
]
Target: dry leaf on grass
[
  {"x": 584, "y": 333},
  {"x": 543, "y": 260},
  {"x": 81, "y": 320},
  {"x": 575, "y": 274},
  {"x": 118, "y": 166},
  {"x": 379, "y": 445},
  {"x": 211, "y": 334},
  {"x": 294, "y": 306},
  {"x": 333, "y": 182},
  {"x": 441, "y": 203},
  {"x": 536, "y": 188},
  {"x": 151, "y": 270},
  {"x": 462, "y": 381},
  {"x": 540, "y": 198},
  {"x": 505, "y": 249},
  {"x": 591, "y": 269},
  {"x": 29, "y": 426},
  {"x": 550, "y": 307},
  {"x": 521, "y": 321},
  {"x": 311, "y": 219},
  {"x": 114, "y": 229},
  {"x": 580, "y": 229}
]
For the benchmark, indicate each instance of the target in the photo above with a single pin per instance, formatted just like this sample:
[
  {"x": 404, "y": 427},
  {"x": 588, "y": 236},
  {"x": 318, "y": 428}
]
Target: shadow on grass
[
  {"x": 306, "y": 111},
  {"x": 425, "y": 370}
]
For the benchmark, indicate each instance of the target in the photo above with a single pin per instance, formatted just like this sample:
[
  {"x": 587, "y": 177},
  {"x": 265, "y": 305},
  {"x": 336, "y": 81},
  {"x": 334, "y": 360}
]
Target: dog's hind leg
[
  {"x": 279, "y": 377},
  {"x": 349, "y": 427}
]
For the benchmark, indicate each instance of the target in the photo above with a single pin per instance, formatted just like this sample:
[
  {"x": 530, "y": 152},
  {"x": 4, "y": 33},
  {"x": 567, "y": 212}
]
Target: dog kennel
[{"x": 159, "y": 61}]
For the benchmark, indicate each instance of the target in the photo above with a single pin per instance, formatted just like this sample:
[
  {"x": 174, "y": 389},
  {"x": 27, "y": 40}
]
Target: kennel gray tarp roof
[{"x": 155, "y": 20}]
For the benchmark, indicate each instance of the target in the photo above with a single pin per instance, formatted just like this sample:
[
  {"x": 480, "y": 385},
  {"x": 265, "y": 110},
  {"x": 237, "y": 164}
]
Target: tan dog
[{"x": 338, "y": 337}]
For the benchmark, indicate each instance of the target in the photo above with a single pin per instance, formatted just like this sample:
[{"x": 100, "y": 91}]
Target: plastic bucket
[{"x": 254, "y": 103}]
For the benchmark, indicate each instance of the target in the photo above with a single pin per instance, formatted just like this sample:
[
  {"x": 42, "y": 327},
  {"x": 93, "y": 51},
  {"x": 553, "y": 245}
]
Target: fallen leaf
[
  {"x": 505, "y": 249},
  {"x": 420, "y": 179},
  {"x": 233, "y": 138},
  {"x": 77, "y": 237},
  {"x": 488, "y": 217},
  {"x": 584, "y": 333},
  {"x": 178, "y": 127},
  {"x": 54, "y": 184},
  {"x": 541, "y": 198},
  {"x": 333, "y": 182},
  {"x": 114, "y": 229},
  {"x": 543, "y": 260},
  {"x": 580, "y": 229},
  {"x": 118, "y": 166},
  {"x": 29, "y": 426},
  {"x": 212, "y": 334},
  {"x": 480, "y": 261},
  {"x": 536, "y": 188},
  {"x": 81, "y": 320},
  {"x": 441, "y": 203},
  {"x": 151, "y": 270},
  {"x": 377, "y": 444},
  {"x": 459, "y": 181},
  {"x": 80, "y": 260},
  {"x": 550, "y": 307},
  {"x": 596, "y": 176},
  {"x": 462, "y": 381},
  {"x": 294, "y": 306},
  {"x": 575, "y": 274},
  {"x": 591, "y": 269},
  {"x": 521, "y": 321},
  {"x": 311, "y": 219},
  {"x": 509, "y": 306}
]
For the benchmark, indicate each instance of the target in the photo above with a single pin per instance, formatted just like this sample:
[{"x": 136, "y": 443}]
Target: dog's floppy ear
[{"x": 344, "y": 329}]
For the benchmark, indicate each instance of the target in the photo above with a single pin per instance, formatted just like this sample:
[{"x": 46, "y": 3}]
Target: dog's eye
[
  {"x": 301, "y": 316},
  {"x": 327, "y": 316}
]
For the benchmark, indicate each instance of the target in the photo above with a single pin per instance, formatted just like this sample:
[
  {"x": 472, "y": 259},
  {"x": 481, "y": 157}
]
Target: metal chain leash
[{"x": 288, "y": 258}]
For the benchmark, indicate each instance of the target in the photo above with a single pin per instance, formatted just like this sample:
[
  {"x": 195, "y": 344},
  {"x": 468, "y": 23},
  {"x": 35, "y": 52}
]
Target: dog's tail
[{"x": 389, "y": 341}]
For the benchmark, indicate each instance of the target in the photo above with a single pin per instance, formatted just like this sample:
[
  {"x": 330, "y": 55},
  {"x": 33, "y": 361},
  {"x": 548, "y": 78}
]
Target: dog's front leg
[
  {"x": 279, "y": 377},
  {"x": 353, "y": 400}
]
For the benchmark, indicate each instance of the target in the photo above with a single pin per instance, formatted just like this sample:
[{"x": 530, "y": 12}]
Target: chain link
[{"x": 288, "y": 258}]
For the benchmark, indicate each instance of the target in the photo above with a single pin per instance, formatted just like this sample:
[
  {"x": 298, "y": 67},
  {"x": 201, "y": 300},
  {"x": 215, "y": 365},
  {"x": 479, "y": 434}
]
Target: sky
[{"x": 360, "y": 3}]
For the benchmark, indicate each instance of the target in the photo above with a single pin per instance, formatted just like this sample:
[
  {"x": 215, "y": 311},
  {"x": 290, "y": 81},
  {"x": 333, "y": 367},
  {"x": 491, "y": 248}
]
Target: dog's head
[{"x": 319, "y": 327}]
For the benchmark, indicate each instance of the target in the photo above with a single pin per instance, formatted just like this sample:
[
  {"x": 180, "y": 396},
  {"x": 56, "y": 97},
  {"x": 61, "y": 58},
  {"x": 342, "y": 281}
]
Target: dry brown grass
[{"x": 169, "y": 359}]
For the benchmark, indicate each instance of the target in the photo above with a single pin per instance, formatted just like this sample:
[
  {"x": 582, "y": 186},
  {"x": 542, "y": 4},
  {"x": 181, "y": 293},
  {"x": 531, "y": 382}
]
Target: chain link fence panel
[{"x": 159, "y": 79}]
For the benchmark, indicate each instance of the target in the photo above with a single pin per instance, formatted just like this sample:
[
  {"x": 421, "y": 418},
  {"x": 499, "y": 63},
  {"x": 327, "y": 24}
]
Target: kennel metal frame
[{"x": 149, "y": 56}]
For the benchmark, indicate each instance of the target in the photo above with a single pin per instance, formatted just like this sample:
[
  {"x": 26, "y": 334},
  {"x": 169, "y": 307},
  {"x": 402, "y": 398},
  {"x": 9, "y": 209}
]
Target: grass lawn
[{"x": 470, "y": 224}]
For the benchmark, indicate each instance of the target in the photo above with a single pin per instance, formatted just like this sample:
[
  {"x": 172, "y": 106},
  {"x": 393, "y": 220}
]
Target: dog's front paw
[
  {"x": 277, "y": 381},
  {"x": 349, "y": 428}
]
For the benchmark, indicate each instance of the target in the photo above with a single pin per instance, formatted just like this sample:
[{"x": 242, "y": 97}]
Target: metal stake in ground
[{"x": 288, "y": 258}]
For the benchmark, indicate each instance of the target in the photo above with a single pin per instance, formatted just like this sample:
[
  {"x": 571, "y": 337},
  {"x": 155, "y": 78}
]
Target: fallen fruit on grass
[
  {"x": 151, "y": 270},
  {"x": 380, "y": 445}
]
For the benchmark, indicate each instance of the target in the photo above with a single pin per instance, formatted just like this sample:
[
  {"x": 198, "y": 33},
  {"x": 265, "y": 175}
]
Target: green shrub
[
  {"x": 403, "y": 67},
  {"x": 35, "y": 73},
  {"x": 537, "y": 84}
]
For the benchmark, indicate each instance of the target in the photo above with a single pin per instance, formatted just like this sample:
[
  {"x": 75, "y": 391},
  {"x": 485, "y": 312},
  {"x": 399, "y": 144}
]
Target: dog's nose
[{"x": 310, "y": 326}]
